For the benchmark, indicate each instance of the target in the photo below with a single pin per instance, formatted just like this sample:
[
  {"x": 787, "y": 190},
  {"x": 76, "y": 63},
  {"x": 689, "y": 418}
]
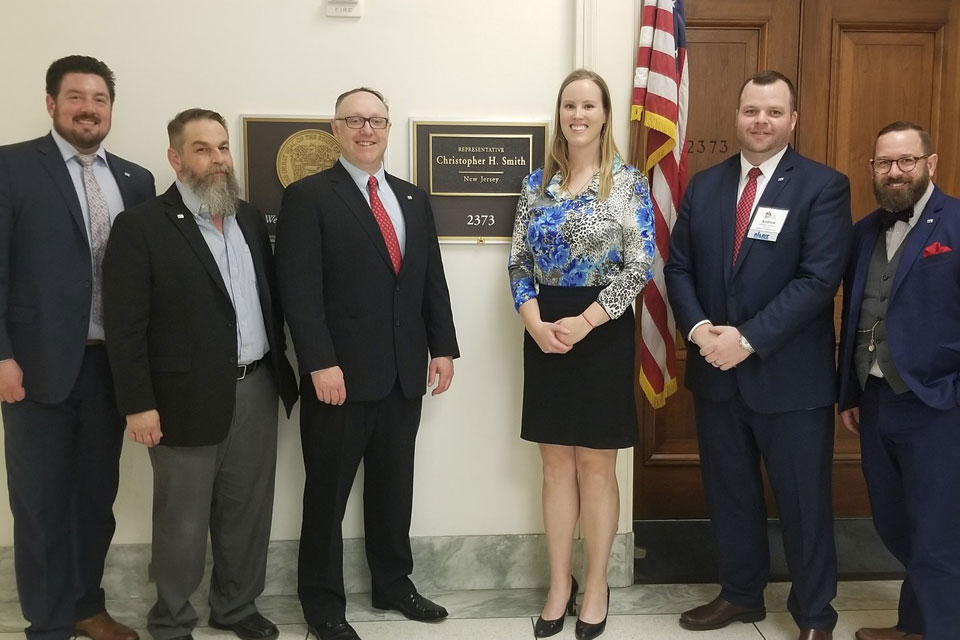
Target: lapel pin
[
  {"x": 409, "y": 197},
  {"x": 780, "y": 179},
  {"x": 929, "y": 220},
  {"x": 180, "y": 216},
  {"x": 126, "y": 174}
]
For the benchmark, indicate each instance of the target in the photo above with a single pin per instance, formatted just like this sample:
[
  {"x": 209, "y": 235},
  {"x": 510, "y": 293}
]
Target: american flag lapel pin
[
  {"x": 180, "y": 216},
  {"x": 126, "y": 174},
  {"x": 409, "y": 197},
  {"x": 780, "y": 179},
  {"x": 929, "y": 220}
]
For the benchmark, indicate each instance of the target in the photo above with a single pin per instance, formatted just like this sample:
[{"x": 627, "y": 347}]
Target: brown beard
[
  {"x": 895, "y": 200},
  {"x": 219, "y": 195}
]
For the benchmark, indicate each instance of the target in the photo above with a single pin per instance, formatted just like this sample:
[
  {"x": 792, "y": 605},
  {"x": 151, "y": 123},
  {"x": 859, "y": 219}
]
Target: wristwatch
[{"x": 745, "y": 345}]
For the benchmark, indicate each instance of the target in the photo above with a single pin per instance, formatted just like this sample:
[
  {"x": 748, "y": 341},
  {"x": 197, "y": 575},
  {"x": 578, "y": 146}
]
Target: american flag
[{"x": 658, "y": 136}]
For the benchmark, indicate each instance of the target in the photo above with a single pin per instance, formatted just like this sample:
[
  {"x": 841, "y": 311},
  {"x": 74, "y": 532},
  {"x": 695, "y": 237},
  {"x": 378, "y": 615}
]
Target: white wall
[{"x": 498, "y": 60}]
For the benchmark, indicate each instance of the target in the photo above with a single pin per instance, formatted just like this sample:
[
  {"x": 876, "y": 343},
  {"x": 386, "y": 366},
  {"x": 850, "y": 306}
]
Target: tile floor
[{"x": 647, "y": 612}]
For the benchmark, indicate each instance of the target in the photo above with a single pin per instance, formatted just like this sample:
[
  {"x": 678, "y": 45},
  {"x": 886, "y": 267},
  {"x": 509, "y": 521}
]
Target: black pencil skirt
[{"x": 584, "y": 397}]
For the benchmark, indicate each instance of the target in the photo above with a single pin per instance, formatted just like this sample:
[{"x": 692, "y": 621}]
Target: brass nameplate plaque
[{"x": 473, "y": 173}]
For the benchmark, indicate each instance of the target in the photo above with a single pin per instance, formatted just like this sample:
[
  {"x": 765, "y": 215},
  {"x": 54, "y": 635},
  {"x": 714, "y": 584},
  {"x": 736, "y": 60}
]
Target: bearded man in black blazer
[
  {"x": 366, "y": 298},
  {"x": 58, "y": 196},
  {"x": 195, "y": 338}
]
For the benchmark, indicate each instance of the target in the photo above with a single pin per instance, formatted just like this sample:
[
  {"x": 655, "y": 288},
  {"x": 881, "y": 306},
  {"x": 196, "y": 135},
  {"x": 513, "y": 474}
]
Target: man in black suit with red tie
[
  {"x": 362, "y": 284},
  {"x": 58, "y": 197}
]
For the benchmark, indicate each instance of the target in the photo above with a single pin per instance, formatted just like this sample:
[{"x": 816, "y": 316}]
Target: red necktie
[
  {"x": 744, "y": 209},
  {"x": 386, "y": 226}
]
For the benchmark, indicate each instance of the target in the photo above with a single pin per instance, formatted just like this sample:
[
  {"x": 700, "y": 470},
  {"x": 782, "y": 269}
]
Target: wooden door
[
  {"x": 858, "y": 65},
  {"x": 727, "y": 40}
]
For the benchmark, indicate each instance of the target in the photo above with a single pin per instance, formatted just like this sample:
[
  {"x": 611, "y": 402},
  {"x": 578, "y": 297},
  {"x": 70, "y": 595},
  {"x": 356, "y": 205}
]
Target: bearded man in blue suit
[
  {"x": 58, "y": 196},
  {"x": 899, "y": 384}
]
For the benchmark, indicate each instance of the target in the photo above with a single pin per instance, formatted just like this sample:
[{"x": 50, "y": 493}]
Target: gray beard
[
  {"x": 219, "y": 197},
  {"x": 901, "y": 200}
]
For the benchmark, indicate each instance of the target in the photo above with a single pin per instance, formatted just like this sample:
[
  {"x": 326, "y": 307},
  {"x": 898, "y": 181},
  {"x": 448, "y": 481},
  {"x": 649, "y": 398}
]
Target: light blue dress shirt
[{"x": 232, "y": 255}]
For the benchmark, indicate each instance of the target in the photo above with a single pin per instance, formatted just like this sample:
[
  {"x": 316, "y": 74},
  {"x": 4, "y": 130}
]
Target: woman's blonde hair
[{"x": 557, "y": 157}]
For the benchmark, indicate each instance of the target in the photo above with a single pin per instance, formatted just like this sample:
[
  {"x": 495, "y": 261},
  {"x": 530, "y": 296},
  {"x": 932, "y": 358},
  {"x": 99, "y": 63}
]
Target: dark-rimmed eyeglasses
[
  {"x": 357, "y": 122},
  {"x": 906, "y": 164}
]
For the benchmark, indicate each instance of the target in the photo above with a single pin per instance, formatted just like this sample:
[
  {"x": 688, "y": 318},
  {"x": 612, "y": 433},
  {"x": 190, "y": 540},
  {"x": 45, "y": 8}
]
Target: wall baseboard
[{"x": 441, "y": 563}]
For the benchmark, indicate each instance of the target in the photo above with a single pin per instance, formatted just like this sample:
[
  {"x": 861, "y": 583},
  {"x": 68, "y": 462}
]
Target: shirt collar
[
  {"x": 68, "y": 151},
  {"x": 192, "y": 202},
  {"x": 767, "y": 167},
  {"x": 360, "y": 176}
]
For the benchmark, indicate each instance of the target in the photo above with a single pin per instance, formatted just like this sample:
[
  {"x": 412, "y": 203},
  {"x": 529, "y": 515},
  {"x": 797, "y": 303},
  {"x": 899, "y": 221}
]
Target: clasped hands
[
  {"x": 560, "y": 336},
  {"x": 720, "y": 345}
]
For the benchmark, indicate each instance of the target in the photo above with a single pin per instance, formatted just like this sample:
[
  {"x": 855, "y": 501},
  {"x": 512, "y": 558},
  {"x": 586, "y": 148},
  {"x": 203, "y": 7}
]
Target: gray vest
[{"x": 873, "y": 313}]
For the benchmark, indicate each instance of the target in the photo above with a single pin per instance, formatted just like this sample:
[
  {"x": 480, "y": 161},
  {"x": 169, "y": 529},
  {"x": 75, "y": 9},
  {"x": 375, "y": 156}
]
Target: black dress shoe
[
  {"x": 546, "y": 628},
  {"x": 414, "y": 606},
  {"x": 590, "y": 630},
  {"x": 253, "y": 627},
  {"x": 336, "y": 630}
]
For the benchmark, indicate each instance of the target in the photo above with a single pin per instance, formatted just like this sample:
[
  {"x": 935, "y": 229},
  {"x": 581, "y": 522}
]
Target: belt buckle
[{"x": 244, "y": 374}]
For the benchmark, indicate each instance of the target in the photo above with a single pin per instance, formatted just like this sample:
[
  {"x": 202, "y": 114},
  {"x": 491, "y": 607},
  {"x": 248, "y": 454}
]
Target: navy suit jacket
[
  {"x": 344, "y": 304},
  {"x": 46, "y": 273},
  {"x": 923, "y": 313},
  {"x": 778, "y": 294}
]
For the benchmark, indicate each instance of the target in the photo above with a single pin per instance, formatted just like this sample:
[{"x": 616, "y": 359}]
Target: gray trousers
[{"x": 227, "y": 489}]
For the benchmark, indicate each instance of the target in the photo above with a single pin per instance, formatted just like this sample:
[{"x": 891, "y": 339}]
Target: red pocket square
[{"x": 934, "y": 249}]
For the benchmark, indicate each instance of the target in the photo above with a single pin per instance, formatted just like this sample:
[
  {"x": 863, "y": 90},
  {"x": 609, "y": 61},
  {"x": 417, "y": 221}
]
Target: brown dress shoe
[
  {"x": 717, "y": 614},
  {"x": 886, "y": 633},
  {"x": 815, "y": 634},
  {"x": 103, "y": 627}
]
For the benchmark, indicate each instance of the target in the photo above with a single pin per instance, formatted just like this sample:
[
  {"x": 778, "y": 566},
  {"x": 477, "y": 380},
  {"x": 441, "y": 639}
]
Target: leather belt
[
  {"x": 246, "y": 369},
  {"x": 92, "y": 342}
]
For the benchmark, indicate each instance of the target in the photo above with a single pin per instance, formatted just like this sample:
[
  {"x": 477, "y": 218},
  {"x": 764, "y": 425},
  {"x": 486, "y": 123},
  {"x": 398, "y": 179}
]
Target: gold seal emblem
[{"x": 305, "y": 153}]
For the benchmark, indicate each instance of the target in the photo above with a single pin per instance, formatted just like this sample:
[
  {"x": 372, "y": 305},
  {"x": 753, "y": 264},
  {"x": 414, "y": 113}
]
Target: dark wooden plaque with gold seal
[
  {"x": 280, "y": 150},
  {"x": 473, "y": 172}
]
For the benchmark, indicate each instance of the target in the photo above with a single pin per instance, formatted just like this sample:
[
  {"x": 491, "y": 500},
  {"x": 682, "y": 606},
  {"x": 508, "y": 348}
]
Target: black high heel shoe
[
  {"x": 590, "y": 630},
  {"x": 546, "y": 628}
]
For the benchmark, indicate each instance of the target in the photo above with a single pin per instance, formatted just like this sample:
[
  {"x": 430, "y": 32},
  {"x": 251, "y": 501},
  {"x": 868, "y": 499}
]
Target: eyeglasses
[
  {"x": 357, "y": 122},
  {"x": 905, "y": 164}
]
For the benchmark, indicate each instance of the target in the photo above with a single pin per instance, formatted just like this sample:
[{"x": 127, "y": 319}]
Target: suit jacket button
[
  {"x": 397, "y": 323},
  {"x": 397, "y": 288},
  {"x": 233, "y": 360}
]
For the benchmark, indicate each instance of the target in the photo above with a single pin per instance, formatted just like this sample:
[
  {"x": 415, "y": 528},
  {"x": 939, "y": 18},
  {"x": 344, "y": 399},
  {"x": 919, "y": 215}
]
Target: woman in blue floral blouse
[{"x": 582, "y": 251}]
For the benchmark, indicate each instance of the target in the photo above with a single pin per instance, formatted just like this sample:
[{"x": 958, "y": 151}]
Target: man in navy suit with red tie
[
  {"x": 900, "y": 377},
  {"x": 755, "y": 259}
]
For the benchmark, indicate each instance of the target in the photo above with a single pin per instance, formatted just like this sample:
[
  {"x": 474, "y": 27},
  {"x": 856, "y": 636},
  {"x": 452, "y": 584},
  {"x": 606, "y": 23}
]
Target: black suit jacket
[
  {"x": 46, "y": 273},
  {"x": 170, "y": 324},
  {"x": 344, "y": 303},
  {"x": 779, "y": 294}
]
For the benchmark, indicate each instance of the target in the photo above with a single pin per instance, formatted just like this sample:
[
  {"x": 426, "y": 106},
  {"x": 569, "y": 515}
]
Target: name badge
[{"x": 767, "y": 223}]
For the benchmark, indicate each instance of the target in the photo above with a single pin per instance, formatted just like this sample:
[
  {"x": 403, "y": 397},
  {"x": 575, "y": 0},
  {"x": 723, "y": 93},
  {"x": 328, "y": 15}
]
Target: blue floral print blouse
[{"x": 579, "y": 241}]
